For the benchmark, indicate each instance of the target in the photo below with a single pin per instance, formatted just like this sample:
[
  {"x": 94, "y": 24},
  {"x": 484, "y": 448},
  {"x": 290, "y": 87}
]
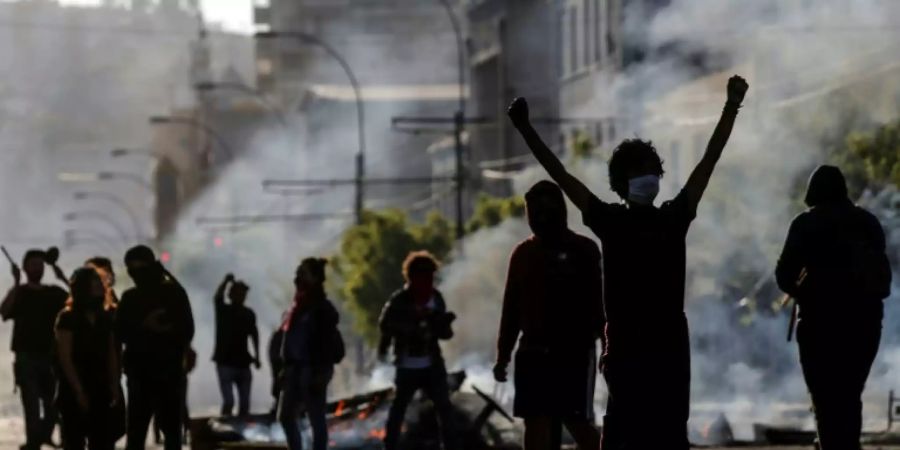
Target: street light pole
[
  {"x": 118, "y": 201},
  {"x": 459, "y": 119},
  {"x": 76, "y": 215},
  {"x": 360, "y": 107},
  {"x": 208, "y": 86},
  {"x": 208, "y": 130}
]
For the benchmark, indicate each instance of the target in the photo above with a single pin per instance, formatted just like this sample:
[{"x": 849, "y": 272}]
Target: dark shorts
[{"x": 555, "y": 383}]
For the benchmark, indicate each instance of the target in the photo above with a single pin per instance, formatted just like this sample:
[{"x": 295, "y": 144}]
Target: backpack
[
  {"x": 336, "y": 349},
  {"x": 870, "y": 272}
]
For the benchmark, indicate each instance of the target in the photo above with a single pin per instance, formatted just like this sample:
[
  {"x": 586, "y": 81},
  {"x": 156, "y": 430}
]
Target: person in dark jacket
[
  {"x": 414, "y": 320},
  {"x": 235, "y": 327},
  {"x": 89, "y": 366},
  {"x": 276, "y": 366},
  {"x": 834, "y": 265},
  {"x": 155, "y": 324},
  {"x": 309, "y": 355},
  {"x": 554, "y": 301},
  {"x": 33, "y": 307}
]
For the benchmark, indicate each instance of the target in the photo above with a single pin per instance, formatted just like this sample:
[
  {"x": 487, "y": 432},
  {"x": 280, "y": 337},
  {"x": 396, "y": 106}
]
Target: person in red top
[
  {"x": 647, "y": 347},
  {"x": 553, "y": 306}
]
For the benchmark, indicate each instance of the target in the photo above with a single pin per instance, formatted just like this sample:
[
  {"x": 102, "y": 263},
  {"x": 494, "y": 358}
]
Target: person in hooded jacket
[
  {"x": 554, "y": 301},
  {"x": 89, "y": 366},
  {"x": 834, "y": 265}
]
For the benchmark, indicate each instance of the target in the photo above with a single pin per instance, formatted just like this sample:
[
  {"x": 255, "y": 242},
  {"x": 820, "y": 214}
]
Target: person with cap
[
  {"x": 835, "y": 267},
  {"x": 235, "y": 326}
]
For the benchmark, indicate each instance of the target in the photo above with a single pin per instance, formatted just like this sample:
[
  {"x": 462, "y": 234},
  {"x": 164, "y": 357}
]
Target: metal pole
[
  {"x": 122, "y": 204},
  {"x": 459, "y": 119}
]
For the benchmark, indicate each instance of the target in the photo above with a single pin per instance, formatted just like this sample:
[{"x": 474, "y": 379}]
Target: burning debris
[{"x": 358, "y": 423}]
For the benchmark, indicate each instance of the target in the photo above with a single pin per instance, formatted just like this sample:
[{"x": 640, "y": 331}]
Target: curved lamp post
[
  {"x": 97, "y": 215},
  {"x": 117, "y": 201},
  {"x": 307, "y": 38}
]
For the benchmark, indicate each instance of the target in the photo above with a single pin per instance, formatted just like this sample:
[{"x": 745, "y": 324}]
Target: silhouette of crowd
[{"x": 563, "y": 293}]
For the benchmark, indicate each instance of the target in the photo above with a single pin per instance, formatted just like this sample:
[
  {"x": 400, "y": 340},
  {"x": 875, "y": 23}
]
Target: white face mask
[{"x": 643, "y": 190}]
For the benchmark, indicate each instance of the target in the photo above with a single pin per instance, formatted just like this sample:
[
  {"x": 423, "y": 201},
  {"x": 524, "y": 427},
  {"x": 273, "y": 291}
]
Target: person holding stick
[{"x": 33, "y": 307}]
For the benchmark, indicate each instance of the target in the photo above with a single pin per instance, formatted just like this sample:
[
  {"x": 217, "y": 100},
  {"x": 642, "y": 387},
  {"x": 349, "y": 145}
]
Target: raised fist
[
  {"x": 737, "y": 87},
  {"x": 518, "y": 111}
]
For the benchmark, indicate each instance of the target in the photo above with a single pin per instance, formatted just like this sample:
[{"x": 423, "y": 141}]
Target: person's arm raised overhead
[
  {"x": 699, "y": 178},
  {"x": 577, "y": 192}
]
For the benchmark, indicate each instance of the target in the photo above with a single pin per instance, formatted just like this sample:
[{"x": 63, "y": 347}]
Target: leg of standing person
[
  {"x": 406, "y": 384},
  {"x": 169, "y": 412},
  {"x": 31, "y": 402},
  {"x": 315, "y": 405},
  {"x": 244, "y": 383},
  {"x": 98, "y": 433},
  {"x": 47, "y": 386},
  {"x": 439, "y": 392},
  {"x": 538, "y": 433},
  {"x": 226, "y": 387},
  {"x": 289, "y": 407},
  {"x": 72, "y": 430},
  {"x": 140, "y": 410}
]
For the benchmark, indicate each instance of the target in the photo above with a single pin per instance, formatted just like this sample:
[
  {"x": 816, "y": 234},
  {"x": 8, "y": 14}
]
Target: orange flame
[{"x": 339, "y": 411}]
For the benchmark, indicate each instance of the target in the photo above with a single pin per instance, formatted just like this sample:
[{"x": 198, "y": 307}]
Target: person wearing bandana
[
  {"x": 155, "y": 325},
  {"x": 554, "y": 301},
  {"x": 414, "y": 320},
  {"x": 310, "y": 347},
  {"x": 647, "y": 350}
]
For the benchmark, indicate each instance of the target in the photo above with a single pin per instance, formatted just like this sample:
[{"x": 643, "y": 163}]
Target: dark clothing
[
  {"x": 305, "y": 390},
  {"x": 662, "y": 380},
  {"x": 37, "y": 386},
  {"x": 414, "y": 331},
  {"x": 310, "y": 335},
  {"x": 433, "y": 381},
  {"x": 160, "y": 399},
  {"x": 842, "y": 249},
  {"x": 835, "y": 367},
  {"x": 91, "y": 358},
  {"x": 276, "y": 363},
  {"x": 235, "y": 325},
  {"x": 553, "y": 296},
  {"x": 644, "y": 260},
  {"x": 231, "y": 378},
  {"x": 149, "y": 353},
  {"x": 834, "y": 265},
  {"x": 572, "y": 373},
  {"x": 34, "y": 312}
]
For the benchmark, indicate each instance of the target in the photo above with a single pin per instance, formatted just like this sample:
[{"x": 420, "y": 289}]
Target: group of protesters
[{"x": 562, "y": 295}]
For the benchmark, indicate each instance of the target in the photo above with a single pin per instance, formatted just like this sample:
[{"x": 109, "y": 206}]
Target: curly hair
[
  {"x": 421, "y": 261},
  {"x": 629, "y": 156}
]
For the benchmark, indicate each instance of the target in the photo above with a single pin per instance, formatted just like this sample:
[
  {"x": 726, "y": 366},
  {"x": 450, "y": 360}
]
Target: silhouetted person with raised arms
[
  {"x": 414, "y": 320},
  {"x": 89, "y": 366},
  {"x": 834, "y": 265},
  {"x": 155, "y": 324},
  {"x": 554, "y": 301},
  {"x": 647, "y": 350},
  {"x": 235, "y": 326},
  {"x": 34, "y": 307},
  {"x": 310, "y": 348}
]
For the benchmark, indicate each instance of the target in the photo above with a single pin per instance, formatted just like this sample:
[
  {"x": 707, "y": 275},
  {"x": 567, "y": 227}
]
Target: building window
[
  {"x": 573, "y": 40},
  {"x": 561, "y": 42},
  {"x": 597, "y": 37},
  {"x": 611, "y": 27},
  {"x": 587, "y": 32}
]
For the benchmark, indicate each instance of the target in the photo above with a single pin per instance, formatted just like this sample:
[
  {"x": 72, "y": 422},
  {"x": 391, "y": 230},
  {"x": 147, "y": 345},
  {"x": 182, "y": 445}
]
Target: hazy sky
[{"x": 234, "y": 15}]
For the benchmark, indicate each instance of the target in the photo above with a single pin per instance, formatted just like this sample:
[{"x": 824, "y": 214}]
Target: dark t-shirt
[
  {"x": 90, "y": 350},
  {"x": 234, "y": 326},
  {"x": 34, "y": 312},
  {"x": 644, "y": 256},
  {"x": 150, "y": 353}
]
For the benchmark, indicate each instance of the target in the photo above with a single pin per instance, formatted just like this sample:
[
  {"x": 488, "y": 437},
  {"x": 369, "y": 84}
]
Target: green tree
[
  {"x": 367, "y": 267},
  {"x": 870, "y": 159},
  {"x": 491, "y": 211}
]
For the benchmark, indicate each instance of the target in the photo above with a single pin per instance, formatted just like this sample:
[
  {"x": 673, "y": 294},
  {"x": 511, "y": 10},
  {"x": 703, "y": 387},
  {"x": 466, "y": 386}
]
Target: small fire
[
  {"x": 339, "y": 410},
  {"x": 379, "y": 433}
]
